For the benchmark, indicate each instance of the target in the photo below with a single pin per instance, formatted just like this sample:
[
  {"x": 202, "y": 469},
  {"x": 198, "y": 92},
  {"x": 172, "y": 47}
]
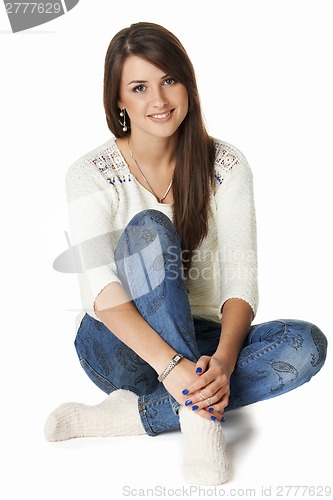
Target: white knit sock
[
  {"x": 117, "y": 415},
  {"x": 205, "y": 460}
]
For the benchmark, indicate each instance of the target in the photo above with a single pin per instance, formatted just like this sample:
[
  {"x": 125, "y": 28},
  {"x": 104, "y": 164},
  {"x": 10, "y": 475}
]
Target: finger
[
  {"x": 202, "y": 364},
  {"x": 204, "y": 380},
  {"x": 211, "y": 379},
  {"x": 217, "y": 402},
  {"x": 204, "y": 402},
  {"x": 219, "y": 406},
  {"x": 198, "y": 394},
  {"x": 217, "y": 417}
]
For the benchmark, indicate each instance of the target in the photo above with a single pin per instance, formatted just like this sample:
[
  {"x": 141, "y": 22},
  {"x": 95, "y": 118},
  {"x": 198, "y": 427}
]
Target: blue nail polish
[
  {"x": 188, "y": 402},
  {"x": 198, "y": 370},
  {"x": 212, "y": 417},
  {"x": 195, "y": 407},
  {"x": 223, "y": 419},
  {"x": 185, "y": 391},
  {"x": 210, "y": 409}
]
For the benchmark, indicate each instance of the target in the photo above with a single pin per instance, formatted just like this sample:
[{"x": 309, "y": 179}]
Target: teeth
[{"x": 161, "y": 116}]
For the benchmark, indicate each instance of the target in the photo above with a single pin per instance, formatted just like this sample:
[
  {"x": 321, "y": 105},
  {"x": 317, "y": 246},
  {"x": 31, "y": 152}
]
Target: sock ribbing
[
  {"x": 205, "y": 459},
  {"x": 117, "y": 415}
]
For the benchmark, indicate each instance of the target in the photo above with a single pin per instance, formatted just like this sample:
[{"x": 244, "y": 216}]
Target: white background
[{"x": 264, "y": 71}]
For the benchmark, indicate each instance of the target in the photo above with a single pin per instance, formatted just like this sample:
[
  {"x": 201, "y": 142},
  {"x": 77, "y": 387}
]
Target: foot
[
  {"x": 117, "y": 415},
  {"x": 205, "y": 459}
]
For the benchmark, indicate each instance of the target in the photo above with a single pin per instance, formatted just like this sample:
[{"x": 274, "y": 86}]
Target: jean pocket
[{"x": 101, "y": 382}]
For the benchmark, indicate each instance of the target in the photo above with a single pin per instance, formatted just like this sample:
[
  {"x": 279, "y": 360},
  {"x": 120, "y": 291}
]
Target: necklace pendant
[{"x": 160, "y": 200}]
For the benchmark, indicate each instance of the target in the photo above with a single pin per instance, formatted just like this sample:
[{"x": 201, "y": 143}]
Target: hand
[
  {"x": 184, "y": 376},
  {"x": 211, "y": 389}
]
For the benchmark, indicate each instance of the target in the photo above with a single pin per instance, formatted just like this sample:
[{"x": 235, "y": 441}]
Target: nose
[{"x": 159, "y": 98}]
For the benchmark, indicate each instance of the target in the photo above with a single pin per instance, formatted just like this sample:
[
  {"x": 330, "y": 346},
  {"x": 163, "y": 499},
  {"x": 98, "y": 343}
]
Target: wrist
[
  {"x": 170, "y": 366},
  {"x": 227, "y": 362},
  {"x": 159, "y": 361}
]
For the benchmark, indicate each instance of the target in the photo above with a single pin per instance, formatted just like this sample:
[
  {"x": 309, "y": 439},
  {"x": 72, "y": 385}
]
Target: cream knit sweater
[{"x": 103, "y": 196}]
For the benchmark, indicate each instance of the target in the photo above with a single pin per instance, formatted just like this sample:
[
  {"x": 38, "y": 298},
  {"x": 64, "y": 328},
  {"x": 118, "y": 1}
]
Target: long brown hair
[{"x": 195, "y": 153}]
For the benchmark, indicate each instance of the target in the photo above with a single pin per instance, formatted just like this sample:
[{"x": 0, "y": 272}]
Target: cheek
[
  {"x": 183, "y": 97},
  {"x": 185, "y": 104},
  {"x": 133, "y": 103}
]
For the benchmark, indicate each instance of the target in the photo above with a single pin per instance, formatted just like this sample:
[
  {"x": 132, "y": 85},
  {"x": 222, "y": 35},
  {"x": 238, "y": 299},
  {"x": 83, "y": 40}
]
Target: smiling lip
[{"x": 161, "y": 117}]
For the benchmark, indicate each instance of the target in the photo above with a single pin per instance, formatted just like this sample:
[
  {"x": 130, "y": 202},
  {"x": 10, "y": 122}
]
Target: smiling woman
[
  {"x": 145, "y": 60},
  {"x": 157, "y": 105},
  {"x": 164, "y": 218},
  {"x": 155, "y": 98}
]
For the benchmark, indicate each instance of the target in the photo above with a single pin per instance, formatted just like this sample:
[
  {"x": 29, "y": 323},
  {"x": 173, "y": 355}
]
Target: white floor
[{"x": 272, "y": 445}]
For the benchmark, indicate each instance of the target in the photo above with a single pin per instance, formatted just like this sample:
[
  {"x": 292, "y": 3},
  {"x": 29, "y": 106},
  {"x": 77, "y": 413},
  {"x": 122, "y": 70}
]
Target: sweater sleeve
[
  {"x": 237, "y": 236},
  {"x": 90, "y": 206}
]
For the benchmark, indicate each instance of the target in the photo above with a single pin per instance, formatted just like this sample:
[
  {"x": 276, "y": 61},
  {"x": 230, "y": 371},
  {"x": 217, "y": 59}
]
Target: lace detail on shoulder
[
  {"x": 111, "y": 164},
  {"x": 225, "y": 159}
]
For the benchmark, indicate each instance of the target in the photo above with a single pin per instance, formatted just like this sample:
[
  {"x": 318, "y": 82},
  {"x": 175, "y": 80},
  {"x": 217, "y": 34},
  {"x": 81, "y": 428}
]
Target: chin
[{"x": 166, "y": 133}]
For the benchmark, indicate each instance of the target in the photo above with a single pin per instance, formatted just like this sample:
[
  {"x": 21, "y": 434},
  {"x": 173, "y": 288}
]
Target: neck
[{"x": 154, "y": 153}]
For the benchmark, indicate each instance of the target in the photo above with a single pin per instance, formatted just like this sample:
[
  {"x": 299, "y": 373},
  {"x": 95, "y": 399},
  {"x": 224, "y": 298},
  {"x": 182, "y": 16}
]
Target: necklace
[{"x": 146, "y": 180}]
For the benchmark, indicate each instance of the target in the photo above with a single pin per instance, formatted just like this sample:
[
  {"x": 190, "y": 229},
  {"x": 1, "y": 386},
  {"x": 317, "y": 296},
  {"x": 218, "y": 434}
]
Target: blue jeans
[{"x": 277, "y": 356}]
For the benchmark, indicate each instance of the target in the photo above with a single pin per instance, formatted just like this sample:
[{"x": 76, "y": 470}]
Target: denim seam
[
  {"x": 175, "y": 407},
  {"x": 156, "y": 401},
  {"x": 145, "y": 423},
  {"x": 265, "y": 349},
  {"x": 143, "y": 410}
]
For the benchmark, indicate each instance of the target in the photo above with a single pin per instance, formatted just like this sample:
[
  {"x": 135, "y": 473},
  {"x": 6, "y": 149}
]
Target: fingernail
[
  {"x": 185, "y": 391},
  {"x": 198, "y": 370},
  {"x": 188, "y": 402},
  {"x": 210, "y": 409},
  {"x": 223, "y": 419},
  {"x": 212, "y": 417},
  {"x": 195, "y": 407}
]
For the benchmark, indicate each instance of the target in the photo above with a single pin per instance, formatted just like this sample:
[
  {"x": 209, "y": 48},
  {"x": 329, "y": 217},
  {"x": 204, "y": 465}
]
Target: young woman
[{"x": 164, "y": 219}]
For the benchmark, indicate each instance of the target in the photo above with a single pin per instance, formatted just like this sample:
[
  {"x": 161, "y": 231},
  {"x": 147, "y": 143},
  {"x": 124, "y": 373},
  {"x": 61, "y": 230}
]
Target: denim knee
[
  {"x": 147, "y": 230},
  {"x": 151, "y": 217},
  {"x": 280, "y": 356},
  {"x": 146, "y": 225},
  {"x": 320, "y": 341},
  {"x": 311, "y": 343}
]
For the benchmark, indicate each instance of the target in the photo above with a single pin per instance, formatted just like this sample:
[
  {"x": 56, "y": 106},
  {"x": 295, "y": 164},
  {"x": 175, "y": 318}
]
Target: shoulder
[
  {"x": 94, "y": 170},
  {"x": 229, "y": 162}
]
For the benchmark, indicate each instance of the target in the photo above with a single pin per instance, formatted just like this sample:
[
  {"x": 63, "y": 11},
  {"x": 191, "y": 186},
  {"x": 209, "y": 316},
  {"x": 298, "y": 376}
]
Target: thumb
[{"x": 202, "y": 364}]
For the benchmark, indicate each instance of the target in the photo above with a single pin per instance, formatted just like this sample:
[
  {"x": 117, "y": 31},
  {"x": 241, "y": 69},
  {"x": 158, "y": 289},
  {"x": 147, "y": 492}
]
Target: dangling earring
[{"x": 123, "y": 115}]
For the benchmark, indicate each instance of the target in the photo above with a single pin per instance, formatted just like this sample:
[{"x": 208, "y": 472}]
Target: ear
[{"x": 120, "y": 104}]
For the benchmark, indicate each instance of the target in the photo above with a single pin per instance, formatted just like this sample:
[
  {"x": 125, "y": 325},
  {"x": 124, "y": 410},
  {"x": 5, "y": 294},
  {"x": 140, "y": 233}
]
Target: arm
[
  {"x": 237, "y": 316},
  {"x": 117, "y": 312},
  {"x": 237, "y": 243},
  {"x": 214, "y": 379},
  {"x": 90, "y": 202}
]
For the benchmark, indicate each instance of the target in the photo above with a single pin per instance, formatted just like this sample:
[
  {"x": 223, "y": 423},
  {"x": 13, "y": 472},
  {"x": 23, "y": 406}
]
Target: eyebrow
[
  {"x": 137, "y": 81},
  {"x": 145, "y": 81}
]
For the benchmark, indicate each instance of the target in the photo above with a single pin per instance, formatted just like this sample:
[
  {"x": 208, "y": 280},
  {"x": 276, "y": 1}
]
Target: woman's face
[{"x": 155, "y": 102}]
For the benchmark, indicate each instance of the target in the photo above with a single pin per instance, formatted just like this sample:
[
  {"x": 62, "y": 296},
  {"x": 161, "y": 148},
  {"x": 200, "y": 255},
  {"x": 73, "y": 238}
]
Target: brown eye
[
  {"x": 169, "y": 81},
  {"x": 139, "y": 88}
]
